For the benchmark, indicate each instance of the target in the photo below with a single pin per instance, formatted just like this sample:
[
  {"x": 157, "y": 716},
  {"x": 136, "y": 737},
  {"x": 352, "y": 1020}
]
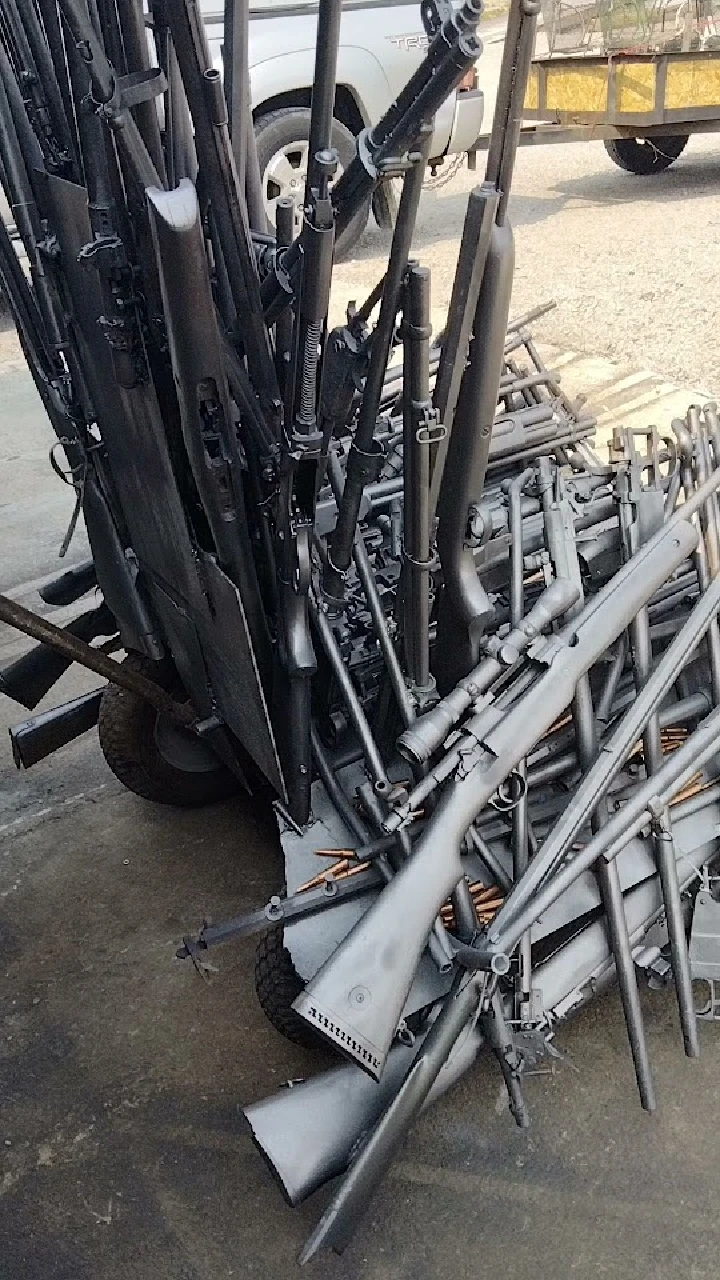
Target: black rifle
[
  {"x": 302, "y": 445},
  {"x": 464, "y": 609},
  {"x": 365, "y": 454},
  {"x": 382, "y": 149},
  {"x": 221, "y": 186}
]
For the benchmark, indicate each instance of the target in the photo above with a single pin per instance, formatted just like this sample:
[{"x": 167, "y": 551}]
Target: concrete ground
[{"x": 122, "y": 1074}]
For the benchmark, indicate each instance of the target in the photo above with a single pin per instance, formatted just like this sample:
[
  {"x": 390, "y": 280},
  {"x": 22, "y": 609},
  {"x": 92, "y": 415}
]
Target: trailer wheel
[
  {"x": 277, "y": 984},
  {"x": 282, "y": 145},
  {"x": 646, "y": 155},
  {"x": 153, "y": 758}
]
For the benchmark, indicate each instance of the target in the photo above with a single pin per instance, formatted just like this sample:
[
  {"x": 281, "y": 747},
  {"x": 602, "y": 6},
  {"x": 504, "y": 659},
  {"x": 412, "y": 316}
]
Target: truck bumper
[{"x": 467, "y": 124}]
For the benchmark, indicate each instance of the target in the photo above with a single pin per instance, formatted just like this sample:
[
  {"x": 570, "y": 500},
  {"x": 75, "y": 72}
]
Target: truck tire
[
  {"x": 277, "y": 984},
  {"x": 646, "y": 155},
  {"x": 158, "y": 762},
  {"x": 282, "y": 145}
]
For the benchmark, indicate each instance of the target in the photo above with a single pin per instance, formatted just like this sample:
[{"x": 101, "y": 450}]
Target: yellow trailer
[
  {"x": 643, "y": 105},
  {"x": 641, "y": 75}
]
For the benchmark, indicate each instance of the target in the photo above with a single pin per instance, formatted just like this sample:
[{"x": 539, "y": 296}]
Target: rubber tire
[
  {"x": 292, "y": 124},
  {"x": 646, "y": 157},
  {"x": 277, "y": 984},
  {"x": 126, "y": 729}
]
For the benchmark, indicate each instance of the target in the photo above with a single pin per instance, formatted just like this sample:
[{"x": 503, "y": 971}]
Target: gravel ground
[{"x": 629, "y": 260}]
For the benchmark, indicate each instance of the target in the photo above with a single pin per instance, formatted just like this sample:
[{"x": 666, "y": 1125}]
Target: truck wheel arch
[
  {"x": 347, "y": 109},
  {"x": 362, "y": 96}
]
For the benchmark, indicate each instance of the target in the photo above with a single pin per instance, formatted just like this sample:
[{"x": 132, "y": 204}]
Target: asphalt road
[{"x": 122, "y": 1074}]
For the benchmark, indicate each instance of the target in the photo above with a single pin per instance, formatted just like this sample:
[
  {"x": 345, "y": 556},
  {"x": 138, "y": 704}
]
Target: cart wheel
[
  {"x": 277, "y": 984},
  {"x": 151, "y": 756},
  {"x": 646, "y": 155}
]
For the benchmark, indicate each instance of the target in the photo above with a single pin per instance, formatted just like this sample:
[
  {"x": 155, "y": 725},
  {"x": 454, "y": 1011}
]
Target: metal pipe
[
  {"x": 502, "y": 175},
  {"x": 46, "y": 45},
  {"x": 285, "y": 232},
  {"x": 322, "y": 98},
  {"x": 341, "y": 1216},
  {"x": 685, "y": 451},
  {"x": 352, "y": 702},
  {"x": 363, "y": 450},
  {"x": 466, "y": 920},
  {"x": 28, "y": 319},
  {"x": 519, "y": 819},
  {"x": 613, "y": 754},
  {"x": 516, "y": 545},
  {"x": 612, "y": 680},
  {"x": 29, "y": 678},
  {"x": 708, "y": 513},
  {"x": 106, "y": 95},
  {"x": 419, "y": 428},
  {"x": 26, "y": 215},
  {"x": 352, "y": 820},
  {"x": 134, "y": 36},
  {"x": 504, "y": 94},
  {"x": 529, "y": 317},
  {"x": 493, "y": 864},
  {"x": 472, "y": 256},
  {"x": 31, "y": 624},
  {"x": 663, "y": 847},
  {"x": 464, "y": 609},
  {"x": 30, "y": 148},
  {"x": 561, "y": 543},
  {"x": 403, "y": 696},
  {"x": 257, "y": 217},
  {"x": 647, "y": 801},
  {"x": 641, "y": 645},
  {"x": 612, "y": 898},
  {"x": 686, "y": 710},
  {"x": 235, "y": 78},
  {"x": 366, "y": 960}
]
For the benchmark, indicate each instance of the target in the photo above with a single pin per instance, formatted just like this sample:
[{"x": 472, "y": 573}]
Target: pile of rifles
[{"x": 378, "y": 576}]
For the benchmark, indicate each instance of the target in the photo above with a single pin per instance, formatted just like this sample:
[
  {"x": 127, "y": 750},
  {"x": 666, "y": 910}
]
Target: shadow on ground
[{"x": 442, "y": 213}]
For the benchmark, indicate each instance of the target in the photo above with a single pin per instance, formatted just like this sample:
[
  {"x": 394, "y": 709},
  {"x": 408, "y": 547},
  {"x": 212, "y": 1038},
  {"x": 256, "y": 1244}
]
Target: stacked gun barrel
[{"x": 378, "y": 572}]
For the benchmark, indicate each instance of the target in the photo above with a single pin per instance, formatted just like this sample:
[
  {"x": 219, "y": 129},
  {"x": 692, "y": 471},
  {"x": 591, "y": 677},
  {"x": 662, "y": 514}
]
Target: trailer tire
[
  {"x": 645, "y": 156},
  {"x": 129, "y": 739},
  {"x": 287, "y": 131},
  {"x": 277, "y": 985}
]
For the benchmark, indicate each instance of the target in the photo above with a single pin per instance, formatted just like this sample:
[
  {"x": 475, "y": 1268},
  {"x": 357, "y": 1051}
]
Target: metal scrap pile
[{"x": 478, "y": 666}]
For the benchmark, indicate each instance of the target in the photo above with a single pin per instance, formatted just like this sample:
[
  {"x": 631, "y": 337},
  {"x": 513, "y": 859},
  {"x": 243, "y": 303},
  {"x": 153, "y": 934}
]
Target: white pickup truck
[{"x": 381, "y": 44}]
